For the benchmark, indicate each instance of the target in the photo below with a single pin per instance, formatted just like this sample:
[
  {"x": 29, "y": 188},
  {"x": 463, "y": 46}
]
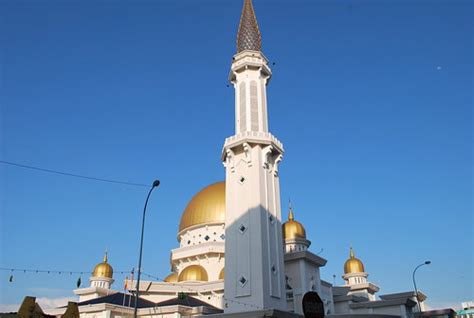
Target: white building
[
  {"x": 235, "y": 253},
  {"x": 467, "y": 310}
]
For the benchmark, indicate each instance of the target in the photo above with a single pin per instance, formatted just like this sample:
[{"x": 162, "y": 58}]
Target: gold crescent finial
[
  {"x": 351, "y": 252},
  {"x": 291, "y": 216}
]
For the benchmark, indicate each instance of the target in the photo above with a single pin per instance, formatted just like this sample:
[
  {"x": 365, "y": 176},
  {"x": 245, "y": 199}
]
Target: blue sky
[{"x": 372, "y": 100}]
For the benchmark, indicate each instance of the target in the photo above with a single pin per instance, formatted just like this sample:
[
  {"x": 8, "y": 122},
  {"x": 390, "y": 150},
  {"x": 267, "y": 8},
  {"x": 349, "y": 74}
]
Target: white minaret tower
[{"x": 253, "y": 245}]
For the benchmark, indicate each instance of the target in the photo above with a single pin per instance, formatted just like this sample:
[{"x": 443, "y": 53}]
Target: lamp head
[
  {"x": 156, "y": 183},
  {"x": 428, "y": 262}
]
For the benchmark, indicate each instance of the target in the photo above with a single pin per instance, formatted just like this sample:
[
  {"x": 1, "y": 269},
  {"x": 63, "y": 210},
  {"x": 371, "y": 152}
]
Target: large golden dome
[
  {"x": 206, "y": 207},
  {"x": 103, "y": 269},
  {"x": 293, "y": 229},
  {"x": 353, "y": 264},
  {"x": 193, "y": 273}
]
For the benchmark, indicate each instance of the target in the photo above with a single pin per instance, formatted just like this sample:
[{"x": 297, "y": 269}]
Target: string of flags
[
  {"x": 13, "y": 271},
  {"x": 125, "y": 287}
]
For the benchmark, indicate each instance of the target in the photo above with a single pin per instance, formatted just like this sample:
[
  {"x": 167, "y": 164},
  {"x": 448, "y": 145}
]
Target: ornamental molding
[
  {"x": 266, "y": 156},
  {"x": 248, "y": 153},
  {"x": 277, "y": 161},
  {"x": 229, "y": 160}
]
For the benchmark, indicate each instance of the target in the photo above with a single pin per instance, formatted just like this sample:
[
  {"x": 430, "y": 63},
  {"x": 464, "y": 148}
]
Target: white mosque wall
[
  {"x": 327, "y": 297},
  {"x": 342, "y": 307},
  {"x": 364, "y": 290},
  {"x": 302, "y": 276},
  {"x": 201, "y": 245},
  {"x": 209, "y": 292},
  {"x": 208, "y": 255},
  {"x": 202, "y": 234},
  {"x": 396, "y": 310},
  {"x": 92, "y": 292}
]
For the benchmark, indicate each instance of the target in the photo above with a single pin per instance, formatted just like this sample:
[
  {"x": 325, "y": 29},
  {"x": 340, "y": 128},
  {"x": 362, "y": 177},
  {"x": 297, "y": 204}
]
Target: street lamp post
[
  {"x": 414, "y": 283},
  {"x": 155, "y": 184}
]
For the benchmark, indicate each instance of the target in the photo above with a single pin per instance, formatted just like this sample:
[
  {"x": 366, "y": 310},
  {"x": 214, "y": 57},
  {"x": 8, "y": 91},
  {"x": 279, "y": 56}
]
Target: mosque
[{"x": 235, "y": 254}]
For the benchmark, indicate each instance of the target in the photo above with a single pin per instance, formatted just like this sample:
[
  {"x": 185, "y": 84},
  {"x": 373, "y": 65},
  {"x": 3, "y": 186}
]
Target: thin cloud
[
  {"x": 48, "y": 303},
  {"x": 4, "y": 308}
]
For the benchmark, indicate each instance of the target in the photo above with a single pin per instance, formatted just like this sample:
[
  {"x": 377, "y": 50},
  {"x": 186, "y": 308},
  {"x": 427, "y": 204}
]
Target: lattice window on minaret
[
  {"x": 242, "y": 108},
  {"x": 253, "y": 106},
  {"x": 264, "y": 107}
]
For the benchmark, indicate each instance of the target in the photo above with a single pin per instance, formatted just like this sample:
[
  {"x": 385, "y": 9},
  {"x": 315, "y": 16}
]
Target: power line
[{"x": 73, "y": 174}]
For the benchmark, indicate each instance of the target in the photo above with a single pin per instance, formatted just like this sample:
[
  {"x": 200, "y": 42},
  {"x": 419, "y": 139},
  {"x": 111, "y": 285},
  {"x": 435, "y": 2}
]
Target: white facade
[
  {"x": 101, "y": 282},
  {"x": 201, "y": 245},
  {"x": 92, "y": 292},
  {"x": 296, "y": 245},
  {"x": 360, "y": 286},
  {"x": 302, "y": 270}
]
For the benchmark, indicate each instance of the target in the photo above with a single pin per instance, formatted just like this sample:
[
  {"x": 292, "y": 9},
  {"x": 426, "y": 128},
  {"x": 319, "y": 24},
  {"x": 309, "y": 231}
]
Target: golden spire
[
  {"x": 105, "y": 256},
  {"x": 351, "y": 252},
  {"x": 248, "y": 36},
  {"x": 291, "y": 216},
  {"x": 293, "y": 229}
]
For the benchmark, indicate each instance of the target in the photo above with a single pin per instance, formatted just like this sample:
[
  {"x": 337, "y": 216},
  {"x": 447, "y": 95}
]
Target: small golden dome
[
  {"x": 206, "y": 207},
  {"x": 171, "y": 278},
  {"x": 103, "y": 269},
  {"x": 193, "y": 273},
  {"x": 222, "y": 274},
  {"x": 353, "y": 264},
  {"x": 293, "y": 229}
]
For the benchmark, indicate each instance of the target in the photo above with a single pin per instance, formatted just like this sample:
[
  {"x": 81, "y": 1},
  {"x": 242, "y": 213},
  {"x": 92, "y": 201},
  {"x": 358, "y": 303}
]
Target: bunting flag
[{"x": 181, "y": 295}]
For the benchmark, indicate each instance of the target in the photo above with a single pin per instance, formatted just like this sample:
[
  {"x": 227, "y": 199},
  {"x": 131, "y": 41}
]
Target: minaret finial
[
  {"x": 291, "y": 216},
  {"x": 248, "y": 37},
  {"x": 351, "y": 252}
]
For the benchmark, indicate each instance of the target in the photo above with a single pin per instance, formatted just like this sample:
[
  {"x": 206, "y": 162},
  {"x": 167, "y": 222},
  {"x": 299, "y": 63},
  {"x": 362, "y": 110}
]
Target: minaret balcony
[
  {"x": 254, "y": 137},
  {"x": 249, "y": 60}
]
